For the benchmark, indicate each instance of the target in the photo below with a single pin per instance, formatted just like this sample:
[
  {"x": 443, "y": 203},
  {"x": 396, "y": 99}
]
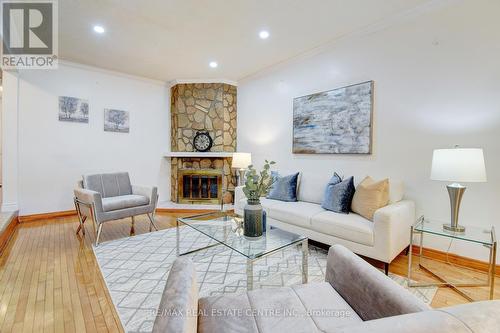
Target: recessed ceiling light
[
  {"x": 264, "y": 34},
  {"x": 213, "y": 64},
  {"x": 99, "y": 29}
]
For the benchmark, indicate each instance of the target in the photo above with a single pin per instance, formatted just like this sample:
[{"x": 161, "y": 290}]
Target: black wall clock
[{"x": 202, "y": 141}]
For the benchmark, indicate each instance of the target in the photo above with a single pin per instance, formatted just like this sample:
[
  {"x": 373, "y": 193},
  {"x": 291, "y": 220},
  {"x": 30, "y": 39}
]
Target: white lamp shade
[
  {"x": 241, "y": 160},
  {"x": 458, "y": 165}
]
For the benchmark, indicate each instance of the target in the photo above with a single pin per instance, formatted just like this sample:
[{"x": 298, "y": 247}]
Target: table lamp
[
  {"x": 241, "y": 161},
  {"x": 457, "y": 165}
]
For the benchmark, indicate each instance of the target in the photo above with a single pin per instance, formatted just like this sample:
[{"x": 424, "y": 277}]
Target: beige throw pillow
[{"x": 370, "y": 196}]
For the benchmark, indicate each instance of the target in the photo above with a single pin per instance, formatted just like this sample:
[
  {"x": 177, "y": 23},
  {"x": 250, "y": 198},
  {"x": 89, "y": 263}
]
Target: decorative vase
[{"x": 253, "y": 226}]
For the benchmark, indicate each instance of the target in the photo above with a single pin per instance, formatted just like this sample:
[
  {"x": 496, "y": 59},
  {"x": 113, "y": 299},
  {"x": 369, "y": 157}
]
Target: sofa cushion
[
  {"x": 303, "y": 308},
  {"x": 327, "y": 308},
  {"x": 396, "y": 190},
  {"x": 311, "y": 181},
  {"x": 310, "y": 186},
  {"x": 226, "y": 313},
  {"x": 478, "y": 316},
  {"x": 284, "y": 188},
  {"x": 179, "y": 302},
  {"x": 108, "y": 184},
  {"x": 369, "y": 292},
  {"x": 268, "y": 203},
  {"x": 298, "y": 213},
  {"x": 123, "y": 201},
  {"x": 421, "y": 322},
  {"x": 370, "y": 196},
  {"x": 265, "y": 202},
  {"x": 338, "y": 195},
  {"x": 352, "y": 227}
]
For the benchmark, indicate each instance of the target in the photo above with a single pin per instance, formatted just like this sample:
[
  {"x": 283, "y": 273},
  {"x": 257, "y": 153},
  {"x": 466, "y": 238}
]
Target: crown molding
[
  {"x": 184, "y": 81},
  {"x": 112, "y": 72}
]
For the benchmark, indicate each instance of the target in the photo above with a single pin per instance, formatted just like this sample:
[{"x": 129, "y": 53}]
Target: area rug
[{"x": 136, "y": 268}]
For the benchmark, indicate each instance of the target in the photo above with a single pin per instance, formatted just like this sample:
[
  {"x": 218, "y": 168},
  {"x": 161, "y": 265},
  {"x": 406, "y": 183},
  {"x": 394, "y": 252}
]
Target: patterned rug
[{"x": 136, "y": 268}]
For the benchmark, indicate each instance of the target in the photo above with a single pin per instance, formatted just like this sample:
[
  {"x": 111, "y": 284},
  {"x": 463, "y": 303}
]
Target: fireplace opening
[{"x": 200, "y": 186}]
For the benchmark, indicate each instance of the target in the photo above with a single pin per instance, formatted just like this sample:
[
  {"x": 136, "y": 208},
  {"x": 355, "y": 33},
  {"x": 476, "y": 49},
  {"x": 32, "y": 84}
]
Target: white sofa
[{"x": 382, "y": 239}]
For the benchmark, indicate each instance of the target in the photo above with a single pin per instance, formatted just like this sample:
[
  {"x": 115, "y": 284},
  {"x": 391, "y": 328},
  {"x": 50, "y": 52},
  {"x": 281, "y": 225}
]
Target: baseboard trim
[
  {"x": 9, "y": 207},
  {"x": 66, "y": 213},
  {"x": 456, "y": 259},
  {"x": 8, "y": 232},
  {"x": 45, "y": 216}
]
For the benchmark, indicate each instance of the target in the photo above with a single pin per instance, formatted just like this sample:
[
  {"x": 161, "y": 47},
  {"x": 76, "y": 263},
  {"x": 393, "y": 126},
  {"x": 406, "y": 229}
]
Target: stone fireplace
[{"x": 202, "y": 177}]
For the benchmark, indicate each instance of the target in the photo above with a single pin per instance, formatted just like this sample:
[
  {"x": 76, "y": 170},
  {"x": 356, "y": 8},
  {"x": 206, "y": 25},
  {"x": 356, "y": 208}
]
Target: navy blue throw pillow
[
  {"x": 335, "y": 179},
  {"x": 339, "y": 194},
  {"x": 284, "y": 188}
]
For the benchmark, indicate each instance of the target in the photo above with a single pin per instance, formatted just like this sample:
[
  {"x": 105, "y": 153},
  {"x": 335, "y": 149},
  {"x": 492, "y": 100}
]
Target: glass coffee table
[{"x": 227, "y": 229}]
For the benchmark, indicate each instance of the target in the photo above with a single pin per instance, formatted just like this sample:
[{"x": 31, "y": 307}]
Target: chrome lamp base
[
  {"x": 456, "y": 192},
  {"x": 452, "y": 228},
  {"x": 241, "y": 177}
]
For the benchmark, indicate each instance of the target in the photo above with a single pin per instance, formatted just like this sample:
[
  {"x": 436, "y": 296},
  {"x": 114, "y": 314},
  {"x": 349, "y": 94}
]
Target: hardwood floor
[{"x": 50, "y": 282}]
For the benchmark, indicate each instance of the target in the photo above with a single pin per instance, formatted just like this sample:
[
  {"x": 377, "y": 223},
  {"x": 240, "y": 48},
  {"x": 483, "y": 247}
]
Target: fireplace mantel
[{"x": 188, "y": 154}]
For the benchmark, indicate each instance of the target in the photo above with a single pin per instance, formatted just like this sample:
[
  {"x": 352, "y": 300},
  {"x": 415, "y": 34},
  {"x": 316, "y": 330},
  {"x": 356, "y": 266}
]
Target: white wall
[
  {"x": 437, "y": 83},
  {"x": 10, "y": 174},
  {"x": 0, "y": 140},
  {"x": 53, "y": 155}
]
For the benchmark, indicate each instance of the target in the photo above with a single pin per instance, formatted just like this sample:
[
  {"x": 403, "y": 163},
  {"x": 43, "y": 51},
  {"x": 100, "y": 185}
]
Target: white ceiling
[{"x": 176, "y": 39}]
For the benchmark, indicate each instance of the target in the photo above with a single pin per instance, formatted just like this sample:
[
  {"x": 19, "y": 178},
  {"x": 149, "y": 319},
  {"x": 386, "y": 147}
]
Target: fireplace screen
[{"x": 204, "y": 186}]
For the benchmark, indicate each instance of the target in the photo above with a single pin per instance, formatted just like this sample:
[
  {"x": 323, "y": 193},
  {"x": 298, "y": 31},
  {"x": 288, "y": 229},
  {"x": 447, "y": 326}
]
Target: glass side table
[{"x": 473, "y": 235}]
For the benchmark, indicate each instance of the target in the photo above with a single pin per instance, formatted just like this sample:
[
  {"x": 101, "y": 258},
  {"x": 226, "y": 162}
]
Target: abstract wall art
[{"x": 337, "y": 121}]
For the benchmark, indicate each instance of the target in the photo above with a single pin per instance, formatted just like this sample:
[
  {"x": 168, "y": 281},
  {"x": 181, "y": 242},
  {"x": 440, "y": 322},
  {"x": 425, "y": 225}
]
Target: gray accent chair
[
  {"x": 110, "y": 196},
  {"x": 355, "y": 298}
]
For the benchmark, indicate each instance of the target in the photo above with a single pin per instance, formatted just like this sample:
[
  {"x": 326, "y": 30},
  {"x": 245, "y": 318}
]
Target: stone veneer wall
[{"x": 203, "y": 107}]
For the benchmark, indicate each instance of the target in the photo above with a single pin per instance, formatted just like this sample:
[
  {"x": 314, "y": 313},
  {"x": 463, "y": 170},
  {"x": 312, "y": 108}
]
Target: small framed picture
[
  {"x": 73, "y": 109},
  {"x": 116, "y": 121}
]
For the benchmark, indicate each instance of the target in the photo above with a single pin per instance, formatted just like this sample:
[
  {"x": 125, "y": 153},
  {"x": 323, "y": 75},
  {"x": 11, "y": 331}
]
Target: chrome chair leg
[
  {"x": 81, "y": 226},
  {"x": 81, "y": 218},
  {"x": 99, "y": 229},
  {"x": 152, "y": 223}
]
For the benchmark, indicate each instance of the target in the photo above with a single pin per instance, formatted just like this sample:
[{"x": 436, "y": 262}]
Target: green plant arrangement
[{"x": 258, "y": 184}]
